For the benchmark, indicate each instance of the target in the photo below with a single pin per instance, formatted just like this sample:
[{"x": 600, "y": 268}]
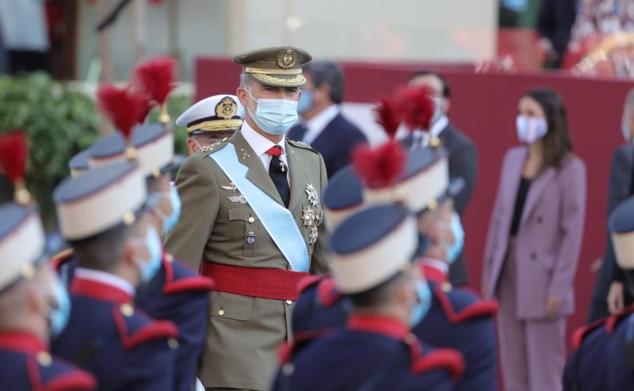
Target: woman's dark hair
[{"x": 556, "y": 142}]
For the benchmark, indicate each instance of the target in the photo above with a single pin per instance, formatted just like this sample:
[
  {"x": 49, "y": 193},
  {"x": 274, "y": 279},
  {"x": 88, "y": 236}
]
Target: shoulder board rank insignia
[{"x": 301, "y": 144}]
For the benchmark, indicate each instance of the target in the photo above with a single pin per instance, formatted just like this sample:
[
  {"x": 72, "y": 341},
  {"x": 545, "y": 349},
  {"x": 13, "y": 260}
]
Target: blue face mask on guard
[
  {"x": 151, "y": 266},
  {"x": 274, "y": 116},
  {"x": 458, "y": 239},
  {"x": 169, "y": 222},
  {"x": 423, "y": 303},
  {"x": 305, "y": 102},
  {"x": 59, "y": 314}
]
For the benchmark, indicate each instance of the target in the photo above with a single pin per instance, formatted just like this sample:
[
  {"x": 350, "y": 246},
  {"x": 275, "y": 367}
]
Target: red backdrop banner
[{"x": 484, "y": 106}]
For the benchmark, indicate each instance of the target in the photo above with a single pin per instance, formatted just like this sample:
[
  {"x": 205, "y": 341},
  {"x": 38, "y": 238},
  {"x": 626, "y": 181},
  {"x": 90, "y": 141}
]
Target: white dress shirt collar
[
  {"x": 261, "y": 144},
  {"x": 435, "y": 131},
  {"x": 105, "y": 278},
  {"x": 438, "y": 126},
  {"x": 319, "y": 122},
  {"x": 258, "y": 143}
]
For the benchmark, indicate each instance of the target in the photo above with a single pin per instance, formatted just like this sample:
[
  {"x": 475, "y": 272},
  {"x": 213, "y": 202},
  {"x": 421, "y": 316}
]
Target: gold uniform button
[
  {"x": 126, "y": 309},
  {"x": 169, "y": 258},
  {"x": 172, "y": 343},
  {"x": 44, "y": 359},
  {"x": 251, "y": 220},
  {"x": 446, "y": 287},
  {"x": 221, "y": 312},
  {"x": 289, "y": 302}
]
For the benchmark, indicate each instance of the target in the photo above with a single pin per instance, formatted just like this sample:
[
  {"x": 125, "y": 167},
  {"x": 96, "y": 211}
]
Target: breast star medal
[{"x": 312, "y": 213}]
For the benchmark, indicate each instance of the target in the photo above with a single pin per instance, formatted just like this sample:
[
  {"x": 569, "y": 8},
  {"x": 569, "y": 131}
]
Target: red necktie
[{"x": 277, "y": 172}]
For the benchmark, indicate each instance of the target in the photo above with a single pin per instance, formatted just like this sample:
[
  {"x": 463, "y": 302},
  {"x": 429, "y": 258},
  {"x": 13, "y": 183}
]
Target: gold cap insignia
[
  {"x": 286, "y": 58},
  {"x": 226, "y": 108}
]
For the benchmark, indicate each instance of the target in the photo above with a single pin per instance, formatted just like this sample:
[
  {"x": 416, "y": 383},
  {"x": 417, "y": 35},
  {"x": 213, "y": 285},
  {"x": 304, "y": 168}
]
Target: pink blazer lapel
[
  {"x": 512, "y": 174},
  {"x": 535, "y": 191}
]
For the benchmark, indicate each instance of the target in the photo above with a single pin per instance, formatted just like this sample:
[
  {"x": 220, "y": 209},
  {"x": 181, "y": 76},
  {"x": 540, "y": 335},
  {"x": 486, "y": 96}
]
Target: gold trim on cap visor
[
  {"x": 216, "y": 125},
  {"x": 296, "y": 81},
  {"x": 290, "y": 72}
]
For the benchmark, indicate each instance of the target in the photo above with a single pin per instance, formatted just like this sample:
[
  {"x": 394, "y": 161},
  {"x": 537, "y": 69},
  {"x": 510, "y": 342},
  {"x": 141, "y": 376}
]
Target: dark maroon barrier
[{"x": 484, "y": 106}]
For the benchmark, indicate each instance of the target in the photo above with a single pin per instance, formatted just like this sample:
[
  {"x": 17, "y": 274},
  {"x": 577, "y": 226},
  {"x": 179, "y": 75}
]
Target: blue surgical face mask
[
  {"x": 305, "y": 102},
  {"x": 60, "y": 312},
  {"x": 169, "y": 222},
  {"x": 458, "y": 239},
  {"x": 530, "y": 129},
  {"x": 274, "y": 116},
  {"x": 423, "y": 302},
  {"x": 149, "y": 267}
]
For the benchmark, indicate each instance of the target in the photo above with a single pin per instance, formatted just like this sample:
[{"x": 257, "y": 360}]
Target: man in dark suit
[
  {"x": 323, "y": 126},
  {"x": 609, "y": 295},
  {"x": 556, "y": 18},
  {"x": 463, "y": 155}
]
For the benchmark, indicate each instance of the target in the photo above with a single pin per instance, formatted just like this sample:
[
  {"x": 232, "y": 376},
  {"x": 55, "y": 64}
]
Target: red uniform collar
[
  {"x": 432, "y": 272},
  {"x": 99, "y": 290},
  {"x": 21, "y": 342},
  {"x": 379, "y": 324}
]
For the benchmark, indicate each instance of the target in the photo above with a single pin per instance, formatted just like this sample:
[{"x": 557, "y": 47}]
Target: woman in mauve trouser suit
[{"x": 533, "y": 244}]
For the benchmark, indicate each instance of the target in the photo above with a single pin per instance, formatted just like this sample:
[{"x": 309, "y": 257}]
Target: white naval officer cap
[{"x": 218, "y": 113}]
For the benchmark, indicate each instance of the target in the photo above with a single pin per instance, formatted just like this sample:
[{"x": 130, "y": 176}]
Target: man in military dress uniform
[
  {"x": 456, "y": 318},
  {"x": 28, "y": 286},
  {"x": 252, "y": 220},
  {"x": 211, "y": 120},
  {"x": 33, "y": 303},
  {"x": 115, "y": 252},
  {"x": 175, "y": 292},
  {"x": 375, "y": 350}
]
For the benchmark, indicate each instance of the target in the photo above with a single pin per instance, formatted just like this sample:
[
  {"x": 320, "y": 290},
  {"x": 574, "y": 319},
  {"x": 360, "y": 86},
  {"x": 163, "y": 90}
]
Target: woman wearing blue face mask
[{"x": 533, "y": 243}]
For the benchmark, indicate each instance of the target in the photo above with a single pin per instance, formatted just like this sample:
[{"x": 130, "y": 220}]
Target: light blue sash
[{"x": 277, "y": 220}]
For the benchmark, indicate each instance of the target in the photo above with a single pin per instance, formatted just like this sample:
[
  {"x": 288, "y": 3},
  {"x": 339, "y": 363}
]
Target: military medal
[
  {"x": 312, "y": 214},
  {"x": 250, "y": 239},
  {"x": 313, "y": 196},
  {"x": 239, "y": 199}
]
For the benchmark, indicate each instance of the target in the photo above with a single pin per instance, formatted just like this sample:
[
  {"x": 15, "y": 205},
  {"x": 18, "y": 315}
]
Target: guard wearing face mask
[
  {"x": 33, "y": 303},
  {"x": 114, "y": 253},
  {"x": 375, "y": 350},
  {"x": 172, "y": 291},
  {"x": 211, "y": 120},
  {"x": 451, "y": 317},
  {"x": 448, "y": 317},
  {"x": 252, "y": 220}
]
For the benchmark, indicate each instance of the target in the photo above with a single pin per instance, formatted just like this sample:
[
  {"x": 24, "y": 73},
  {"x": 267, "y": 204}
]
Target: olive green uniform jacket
[{"x": 244, "y": 333}]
